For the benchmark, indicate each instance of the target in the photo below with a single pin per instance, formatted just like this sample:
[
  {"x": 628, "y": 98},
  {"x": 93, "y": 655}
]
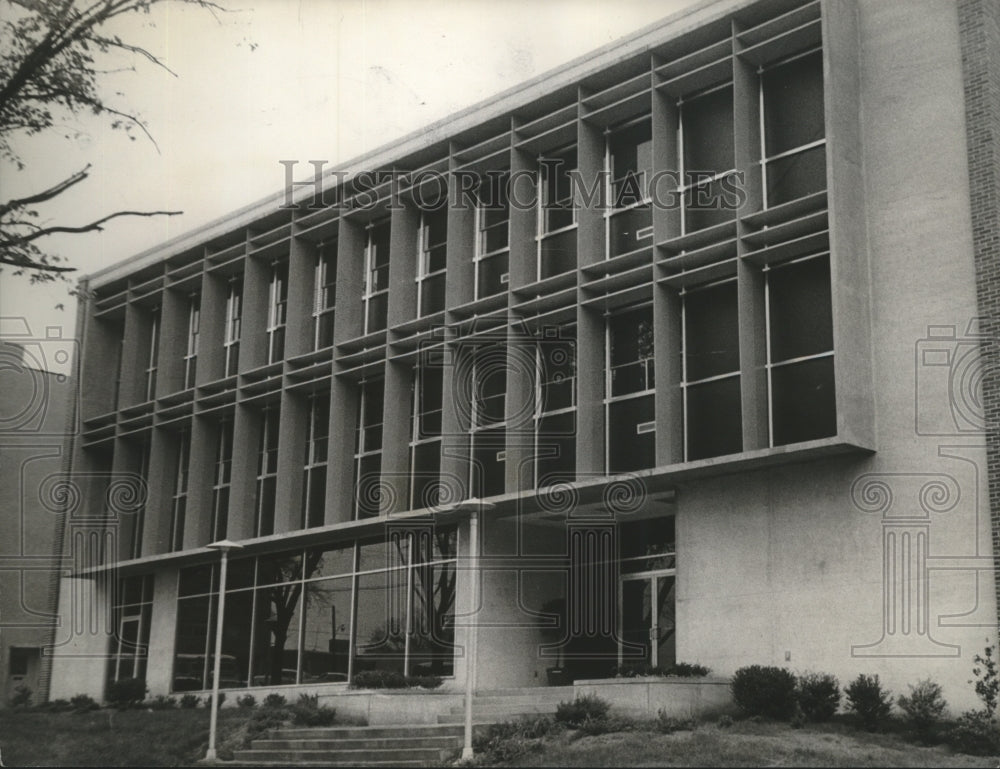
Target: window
[
  {"x": 221, "y": 481},
  {"x": 276, "y": 311},
  {"x": 132, "y": 611},
  {"x": 711, "y": 365},
  {"x": 555, "y": 407},
  {"x": 431, "y": 249},
  {"x": 557, "y": 214},
  {"x": 708, "y": 156},
  {"x": 323, "y": 614},
  {"x": 630, "y": 166},
  {"x": 800, "y": 351},
  {"x": 19, "y": 660},
  {"x": 314, "y": 475},
  {"x": 325, "y": 298},
  {"x": 368, "y": 449},
  {"x": 488, "y": 434},
  {"x": 375, "y": 299},
  {"x": 191, "y": 352},
  {"x": 178, "y": 508},
  {"x": 630, "y": 418},
  {"x": 493, "y": 228},
  {"x": 154, "y": 352},
  {"x": 139, "y": 517},
  {"x": 425, "y": 434},
  {"x": 231, "y": 341},
  {"x": 267, "y": 472},
  {"x": 793, "y": 140}
]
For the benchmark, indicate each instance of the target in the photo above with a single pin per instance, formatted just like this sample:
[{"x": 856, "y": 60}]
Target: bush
[
  {"x": 975, "y": 732},
  {"x": 724, "y": 722},
  {"x": 208, "y": 700},
  {"x": 308, "y": 712},
  {"x": 764, "y": 691},
  {"x": 575, "y": 712},
  {"x": 987, "y": 682},
  {"x": 867, "y": 698},
  {"x": 923, "y": 708},
  {"x": 263, "y": 720},
  {"x": 126, "y": 693},
  {"x": 189, "y": 701},
  {"x": 274, "y": 701},
  {"x": 510, "y": 739},
  {"x": 55, "y": 706},
  {"x": 637, "y": 669},
  {"x": 818, "y": 695},
  {"x": 21, "y": 698},
  {"x": 162, "y": 702},
  {"x": 670, "y": 724},
  {"x": 390, "y": 679},
  {"x": 246, "y": 701},
  {"x": 83, "y": 703}
]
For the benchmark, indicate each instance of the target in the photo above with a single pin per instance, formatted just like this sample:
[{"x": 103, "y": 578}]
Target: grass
[
  {"x": 109, "y": 737},
  {"x": 745, "y": 743}
]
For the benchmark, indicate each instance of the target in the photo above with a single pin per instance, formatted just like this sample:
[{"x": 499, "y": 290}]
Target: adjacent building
[{"x": 672, "y": 354}]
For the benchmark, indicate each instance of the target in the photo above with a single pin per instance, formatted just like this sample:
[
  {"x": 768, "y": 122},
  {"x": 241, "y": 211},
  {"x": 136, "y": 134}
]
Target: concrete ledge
[{"x": 644, "y": 697}]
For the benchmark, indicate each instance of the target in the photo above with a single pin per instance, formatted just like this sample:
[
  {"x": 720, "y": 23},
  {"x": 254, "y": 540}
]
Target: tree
[{"x": 51, "y": 56}]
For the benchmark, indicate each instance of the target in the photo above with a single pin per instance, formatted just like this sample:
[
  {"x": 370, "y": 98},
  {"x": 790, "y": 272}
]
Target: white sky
[{"x": 328, "y": 80}]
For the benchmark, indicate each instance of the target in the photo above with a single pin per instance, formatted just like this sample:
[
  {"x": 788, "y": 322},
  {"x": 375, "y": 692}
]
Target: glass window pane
[
  {"x": 801, "y": 316},
  {"x": 279, "y": 567},
  {"x": 793, "y": 103},
  {"x": 196, "y": 580},
  {"x": 631, "y": 351},
  {"x": 492, "y": 275},
  {"x": 795, "y": 176},
  {"x": 708, "y": 204},
  {"x": 426, "y": 475},
  {"x": 190, "y": 660},
  {"x": 630, "y": 230},
  {"x": 648, "y": 539},
  {"x": 804, "y": 405},
  {"x": 239, "y": 573},
  {"x": 558, "y": 254},
  {"x": 629, "y": 449},
  {"x": 432, "y": 620},
  {"x": 234, "y": 668},
  {"x": 380, "y": 636},
  {"x": 326, "y": 634},
  {"x": 557, "y": 449},
  {"x": 276, "y": 635},
  {"x": 711, "y": 332},
  {"x": 708, "y": 132},
  {"x": 331, "y": 560},
  {"x": 368, "y": 492},
  {"x": 432, "y": 295},
  {"x": 488, "y": 469},
  {"x": 714, "y": 424},
  {"x": 378, "y": 310}
]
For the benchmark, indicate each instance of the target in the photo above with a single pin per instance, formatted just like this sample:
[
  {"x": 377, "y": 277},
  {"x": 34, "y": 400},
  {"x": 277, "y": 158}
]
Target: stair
[
  {"x": 401, "y": 745},
  {"x": 408, "y": 745}
]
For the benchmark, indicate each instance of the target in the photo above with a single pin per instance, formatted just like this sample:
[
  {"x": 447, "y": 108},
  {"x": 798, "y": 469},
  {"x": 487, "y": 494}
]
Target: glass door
[{"x": 648, "y": 626}]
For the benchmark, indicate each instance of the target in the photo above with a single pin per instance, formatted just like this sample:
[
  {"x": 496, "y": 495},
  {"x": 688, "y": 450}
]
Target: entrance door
[{"x": 647, "y": 619}]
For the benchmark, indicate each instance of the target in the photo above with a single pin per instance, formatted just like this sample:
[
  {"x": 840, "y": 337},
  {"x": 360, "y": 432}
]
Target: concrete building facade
[{"x": 690, "y": 327}]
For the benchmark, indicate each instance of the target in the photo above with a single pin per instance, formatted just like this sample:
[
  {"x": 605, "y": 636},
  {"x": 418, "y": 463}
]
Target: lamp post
[
  {"x": 223, "y": 546},
  {"x": 474, "y": 506}
]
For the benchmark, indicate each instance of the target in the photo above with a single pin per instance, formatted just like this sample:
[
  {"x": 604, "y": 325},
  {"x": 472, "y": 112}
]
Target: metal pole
[
  {"x": 472, "y": 633},
  {"x": 210, "y": 755}
]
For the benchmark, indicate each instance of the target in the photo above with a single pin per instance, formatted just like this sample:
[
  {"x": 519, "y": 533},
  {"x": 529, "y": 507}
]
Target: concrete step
[
  {"x": 364, "y": 732},
  {"x": 354, "y": 757},
  {"x": 484, "y": 719},
  {"x": 356, "y": 743},
  {"x": 500, "y": 710}
]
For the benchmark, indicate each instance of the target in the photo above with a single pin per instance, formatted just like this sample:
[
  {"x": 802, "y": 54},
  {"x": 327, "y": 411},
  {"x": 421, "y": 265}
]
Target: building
[
  {"x": 33, "y": 421},
  {"x": 692, "y": 329}
]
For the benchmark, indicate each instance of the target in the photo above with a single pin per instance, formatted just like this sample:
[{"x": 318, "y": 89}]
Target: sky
[{"x": 279, "y": 80}]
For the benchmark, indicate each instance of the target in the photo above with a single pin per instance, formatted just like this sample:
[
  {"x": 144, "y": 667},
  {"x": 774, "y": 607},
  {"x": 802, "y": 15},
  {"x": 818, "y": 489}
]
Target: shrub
[
  {"x": 126, "y": 692},
  {"x": 390, "y": 679},
  {"x": 246, "y": 701},
  {"x": 162, "y": 702},
  {"x": 83, "y": 703},
  {"x": 263, "y": 720},
  {"x": 56, "y": 706},
  {"x": 637, "y": 669},
  {"x": 987, "y": 681},
  {"x": 818, "y": 695},
  {"x": 975, "y": 733},
  {"x": 189, "y": 701},
  {"x": 575, "y": 712},
  {"x": 274, "y": 700},
  {"x": 670, "y": 724},
  {"x": 724, "y": 722},
  {"x": 508, "y": 740},
  {"x": 923, "y": 708},
  {"x": 308, "y": 712},
  {"x": 208, "y": 700},
  {"x": 764, "y": 691},
  {"x": 21, "y": 698},
  {"x": 867, "y": 698}
]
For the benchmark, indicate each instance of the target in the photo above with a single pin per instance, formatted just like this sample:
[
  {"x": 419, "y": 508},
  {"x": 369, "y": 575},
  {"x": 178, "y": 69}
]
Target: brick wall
[{"x": 979, "y": 24}]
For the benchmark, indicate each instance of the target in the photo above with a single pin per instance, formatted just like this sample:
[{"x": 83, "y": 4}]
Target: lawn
[
  {"x": 745, "y": 743},
  {"x": 109, "y": 737}
]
